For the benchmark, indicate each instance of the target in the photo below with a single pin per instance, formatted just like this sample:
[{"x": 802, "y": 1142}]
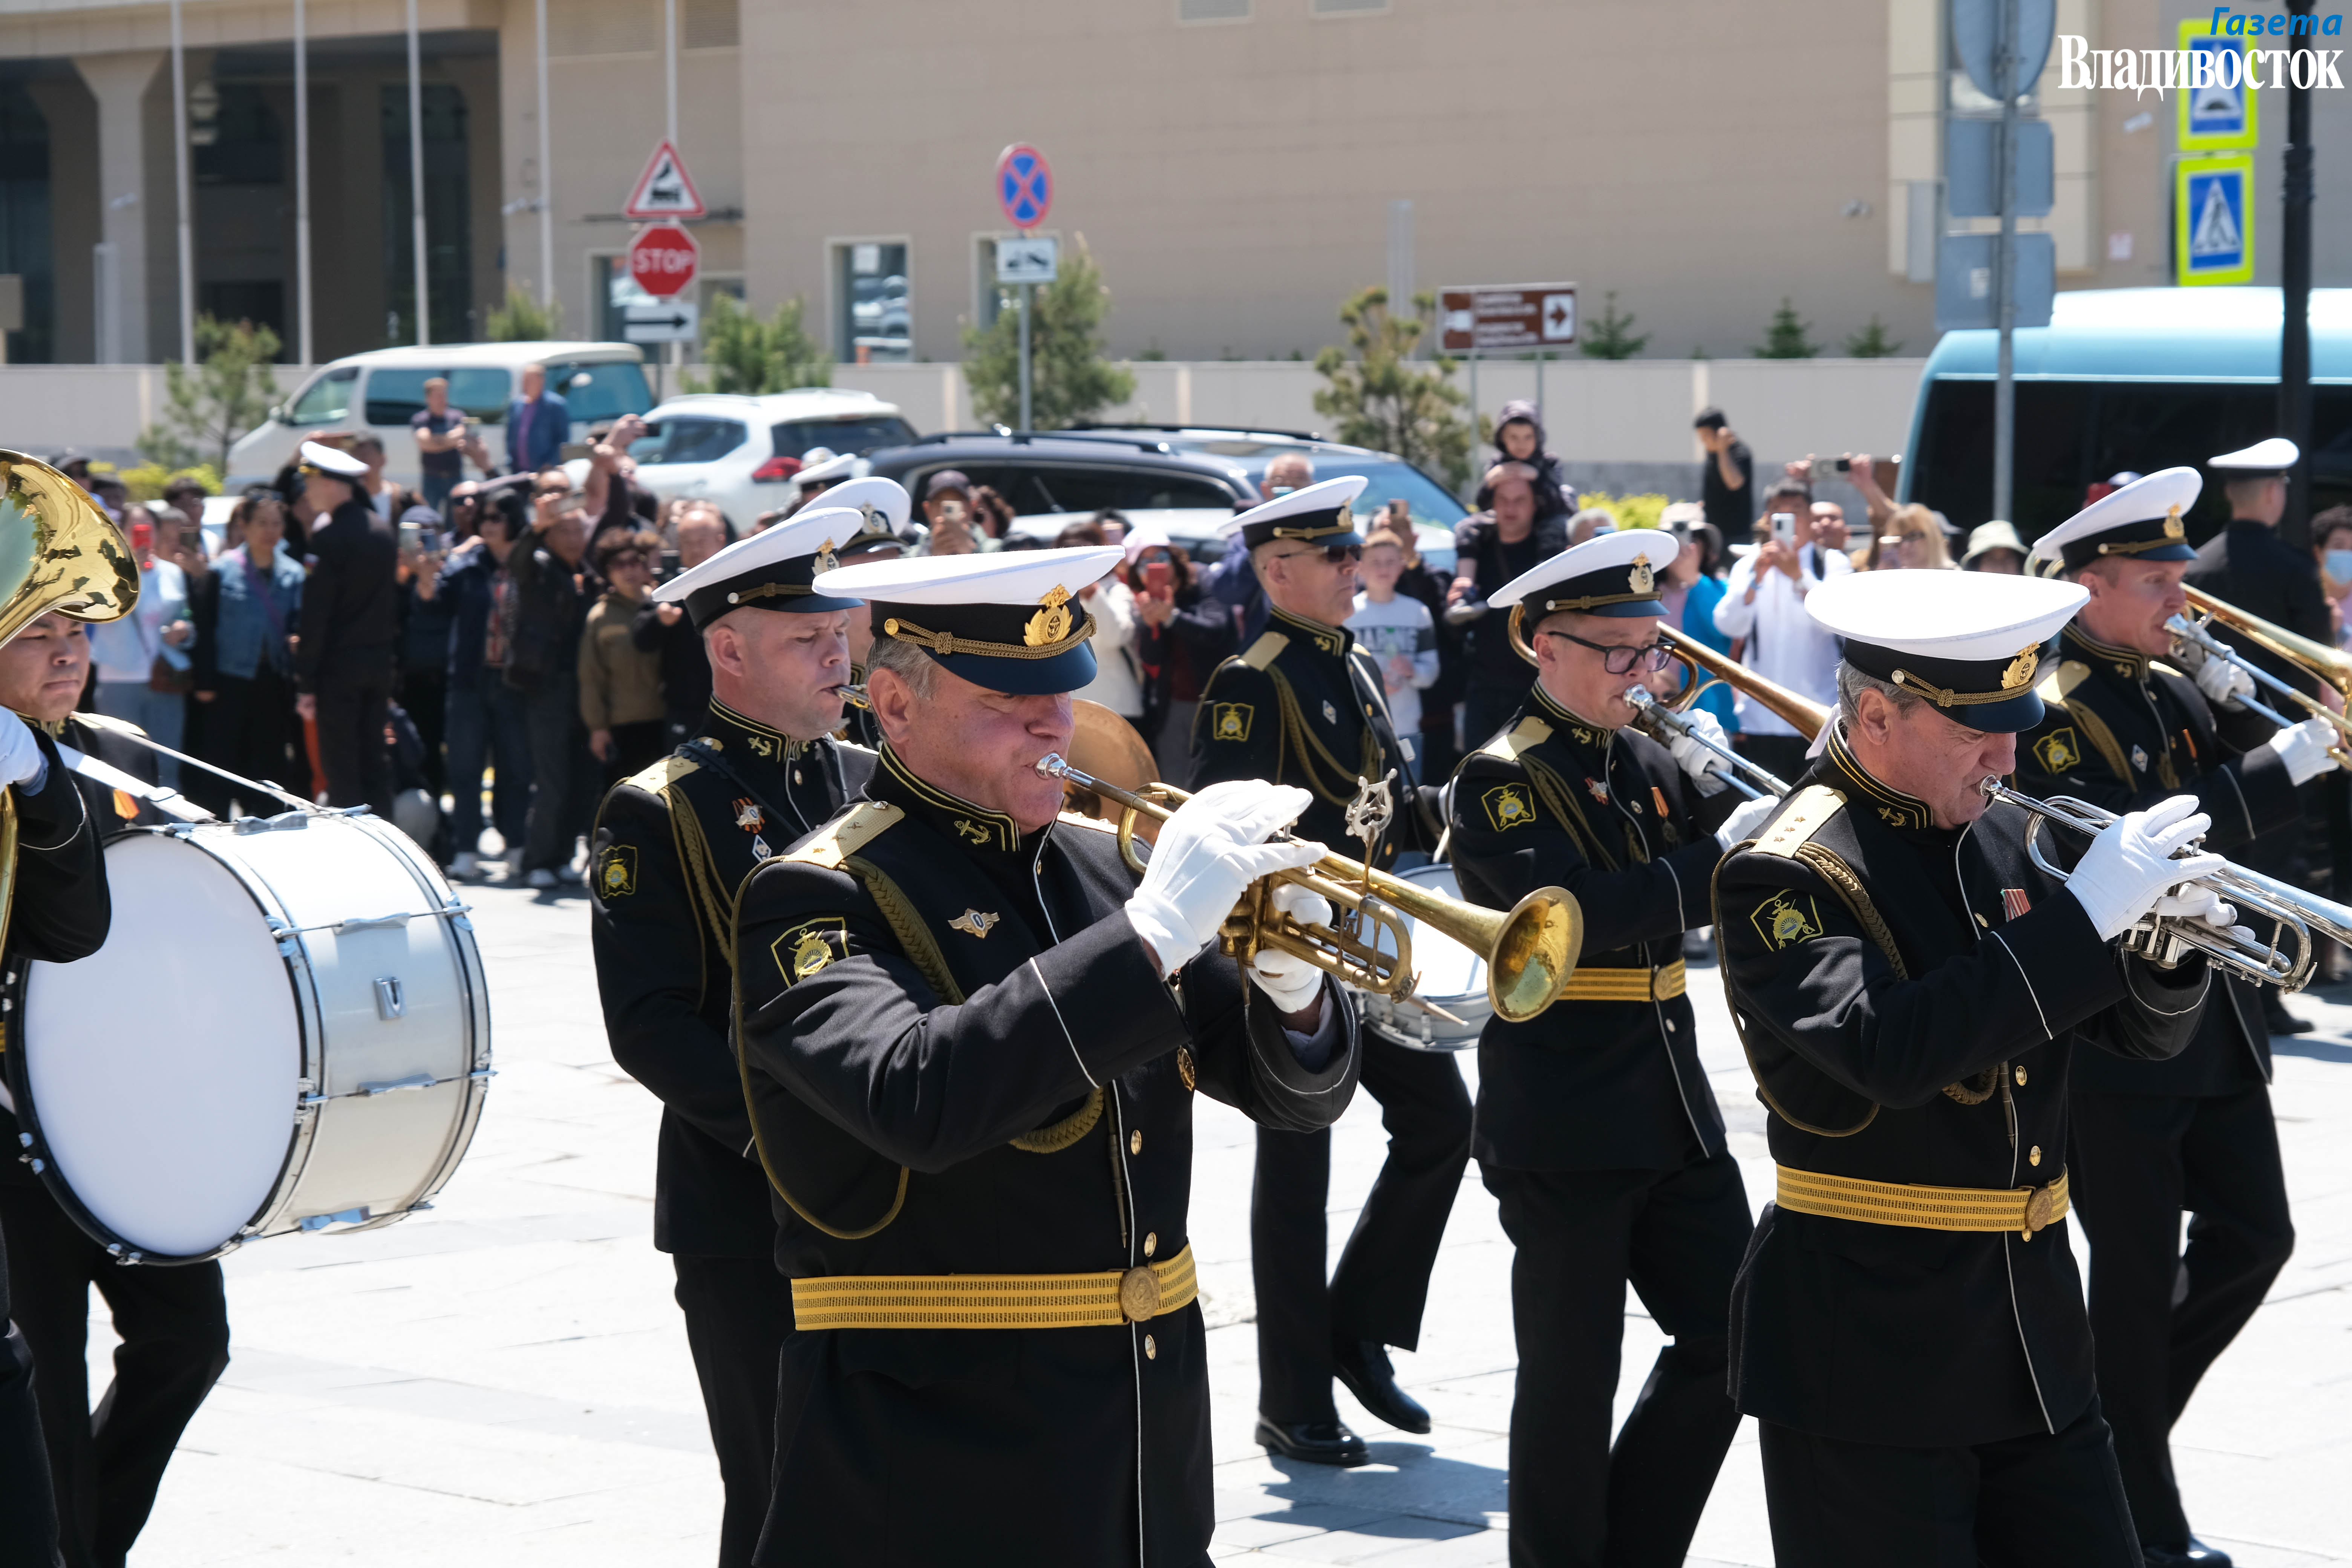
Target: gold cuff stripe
[
  {"x": 1659, "y": 985},
  {"x": 990, "y": 1301},
  {"x": 2022, "y": 1209},
  {"x": 943, "y": 644},
  {"x": 1943, "y": 699}
]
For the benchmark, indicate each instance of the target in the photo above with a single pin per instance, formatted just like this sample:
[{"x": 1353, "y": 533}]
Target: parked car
[
  {"x": 742, "y": 451},
  {"x": 1054, "y": 480},
  {"x": 1434, "y": 510},
  {"x": 378, "y": 391}
]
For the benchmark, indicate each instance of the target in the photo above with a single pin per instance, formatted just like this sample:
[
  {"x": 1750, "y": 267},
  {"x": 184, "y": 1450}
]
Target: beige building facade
[{"x": 1235, "y": 166}]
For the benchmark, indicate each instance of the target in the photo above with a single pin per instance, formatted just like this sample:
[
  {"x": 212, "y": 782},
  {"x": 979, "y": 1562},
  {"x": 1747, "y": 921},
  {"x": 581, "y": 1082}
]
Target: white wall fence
[{"x": 1602, "y": 416}]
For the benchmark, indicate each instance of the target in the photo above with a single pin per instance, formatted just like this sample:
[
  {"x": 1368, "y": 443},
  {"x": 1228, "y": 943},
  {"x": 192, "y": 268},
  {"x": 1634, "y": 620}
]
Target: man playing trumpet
[
  {"x": 1907, "y": 1325},
  {"x": 2122, "y": 729},
  {"x": 1596, "y": 1129},
  {"x": 970, "y": 1041}
]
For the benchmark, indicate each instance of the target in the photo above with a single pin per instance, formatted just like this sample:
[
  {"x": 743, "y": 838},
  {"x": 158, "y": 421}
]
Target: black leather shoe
[
  {"x": 1363, "y": 1366},
  {"x": 2196, "y": 1555},
  {"x": 1316, "y": 1442},
  {"x": 2281, "y": 1022}
]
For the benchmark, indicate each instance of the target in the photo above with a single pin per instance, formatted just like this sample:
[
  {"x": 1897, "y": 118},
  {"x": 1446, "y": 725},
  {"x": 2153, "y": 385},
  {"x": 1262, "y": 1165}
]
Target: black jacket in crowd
[
  {"x": 1200, "y": 633},
  {"x": 351, "y": 602},
  {"x": 466, "y": 589},
  {"x": 1556, "y": 801},
  {"x": 552, "y": 611},
  {"x": 1910, "y": 998},
  {"x": 2125, "y": 731},
  {"x": 684, "y": 663},
  {"x": 2247, "y": 565},
  {"x": 672, "y": 845},
  {"x": 1489, "y": 657},
  {"x": 961, "y": 1059}
]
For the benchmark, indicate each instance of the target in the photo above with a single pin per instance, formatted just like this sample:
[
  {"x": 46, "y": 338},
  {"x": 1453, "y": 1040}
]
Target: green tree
[
  {"x": 523, "y": 319},
  {"x": 1612, "y": 336},
  {"x": 1788, "y": 336},
  {"x": 1872, "y": 342},
  {"x": 226, "y": 393},
  {"x": 1070, "y": 379},
  {"x": 748, "y": 354},
  {"x": 1382, "y": 398}
]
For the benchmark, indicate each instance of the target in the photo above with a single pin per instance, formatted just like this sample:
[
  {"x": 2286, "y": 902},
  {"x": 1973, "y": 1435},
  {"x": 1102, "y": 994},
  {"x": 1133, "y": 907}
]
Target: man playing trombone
[
  {"x": 2124, "y": 731},
  {"x": 1595, "y": 1127},
  {"x": 1910, "y": 988}
]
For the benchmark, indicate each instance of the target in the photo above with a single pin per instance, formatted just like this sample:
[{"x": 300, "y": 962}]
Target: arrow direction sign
[
  {"x": 667, "y": 322},
  {"x": 1486, "y": 318}
]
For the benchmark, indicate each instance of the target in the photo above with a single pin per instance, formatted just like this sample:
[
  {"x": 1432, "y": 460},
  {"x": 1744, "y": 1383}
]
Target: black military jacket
[
  {"x": 1304, "y": 705},
  {"x": 2125, "y": 731},
  {"x": 1910, "y": 998},
  {"x": 2248, "y": 565},
  {"x": 1554, "y": 801},
  {"x": 673, "y": 846},
  {"x": 961, "y": 1059}
]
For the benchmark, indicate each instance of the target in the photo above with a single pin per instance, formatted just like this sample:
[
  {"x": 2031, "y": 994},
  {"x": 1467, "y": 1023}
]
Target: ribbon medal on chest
[{"x": 752, "y": 820}]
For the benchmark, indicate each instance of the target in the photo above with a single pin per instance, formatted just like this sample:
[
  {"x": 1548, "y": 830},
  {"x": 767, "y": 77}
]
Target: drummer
[
  {"x": 1595, "y": 1126},
  {"x": 104, "y": 1470}
]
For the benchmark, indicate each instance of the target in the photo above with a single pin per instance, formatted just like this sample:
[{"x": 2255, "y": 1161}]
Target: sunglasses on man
[{"x": 1331, "y": 553}]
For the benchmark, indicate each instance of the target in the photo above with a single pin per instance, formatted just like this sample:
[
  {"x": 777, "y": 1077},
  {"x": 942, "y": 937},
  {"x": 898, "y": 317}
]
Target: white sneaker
[
  {"x": 467, "y": 866},
  {"x": 543, "y": 877}
]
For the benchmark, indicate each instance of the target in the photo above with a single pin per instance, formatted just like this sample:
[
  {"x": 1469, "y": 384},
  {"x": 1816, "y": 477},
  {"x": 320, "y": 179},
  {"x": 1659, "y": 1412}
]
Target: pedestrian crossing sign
[
  {"x": 2219, "y": 109},
  {"x": 2212, "y": 220}
]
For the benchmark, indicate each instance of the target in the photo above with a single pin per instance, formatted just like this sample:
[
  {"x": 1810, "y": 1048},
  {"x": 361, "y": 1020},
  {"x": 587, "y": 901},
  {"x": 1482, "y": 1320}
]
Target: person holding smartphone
[{"x": 1763, "y": 605}]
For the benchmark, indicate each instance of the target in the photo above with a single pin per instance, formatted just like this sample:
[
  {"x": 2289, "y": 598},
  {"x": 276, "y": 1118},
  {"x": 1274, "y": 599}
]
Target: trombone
[
  {"x": 2331, "y": 666},
  {"x": 2298, "y": 913},
  {"x": 1530, "y": 952}
]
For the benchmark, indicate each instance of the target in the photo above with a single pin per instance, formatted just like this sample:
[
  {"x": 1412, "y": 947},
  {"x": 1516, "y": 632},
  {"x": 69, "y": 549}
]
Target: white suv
[{"x": 743, "y": 451}]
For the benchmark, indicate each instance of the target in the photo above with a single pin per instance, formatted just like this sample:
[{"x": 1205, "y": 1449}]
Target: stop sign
[{"x": 662, "y": 259}]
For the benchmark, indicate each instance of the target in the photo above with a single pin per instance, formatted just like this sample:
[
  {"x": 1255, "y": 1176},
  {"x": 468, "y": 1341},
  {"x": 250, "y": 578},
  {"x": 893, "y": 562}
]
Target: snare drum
[
  {"x": 288, "y": 1029},
  {"x": 1452, "y": 976}
]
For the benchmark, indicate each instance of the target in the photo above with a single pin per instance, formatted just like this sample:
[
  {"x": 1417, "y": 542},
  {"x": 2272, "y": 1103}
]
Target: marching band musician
[
  {"x": 1596, "y": 1129},
  {"x": 883, "y": 508},
  {"x": 2124, "y": 731},
  {"x": 972, "y": 1080},
  {"x": 58, "y": 910},
  {"x": 1910, "y": 989},
  {"x": 673, "y": 846},
  {"x": 1304, "y": 705}
]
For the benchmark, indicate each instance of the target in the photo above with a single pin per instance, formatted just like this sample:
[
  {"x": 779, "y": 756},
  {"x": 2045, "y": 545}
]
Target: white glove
[
  {"x": 2130, "y": 866},
  {"x": 1745, "y": 820},
  {"x": 21, "y": 761},
  {"x": 1291, "y": 983},
  {"x": 2223, "y": 682},
  {"x": 1207, "y": 853},
  {"x": 1695, "y": 759},
  {"x": 2194, "y": 900},
  {"x": 2303, "y": 748}
]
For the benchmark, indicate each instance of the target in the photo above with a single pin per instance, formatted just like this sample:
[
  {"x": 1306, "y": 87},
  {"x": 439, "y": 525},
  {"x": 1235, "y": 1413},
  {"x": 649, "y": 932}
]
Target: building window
[
  {"x": 1212, "y": 11},
  {"x": 448, "y": 246},
  {"x": 25, "y": 225},
  {"x": 873, "y": 321}
]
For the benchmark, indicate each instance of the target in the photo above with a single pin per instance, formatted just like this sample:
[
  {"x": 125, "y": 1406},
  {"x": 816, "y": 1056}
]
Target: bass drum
[
  {"x": 289, "y": 1028},
  {"x": 1452, "y": 976}
]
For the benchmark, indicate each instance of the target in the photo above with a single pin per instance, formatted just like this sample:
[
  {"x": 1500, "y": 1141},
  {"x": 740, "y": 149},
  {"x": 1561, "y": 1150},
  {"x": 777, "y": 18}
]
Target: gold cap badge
[
  {"x": 824, "y": 558},
  {"x": 1051, "y": 623},
  {"x": 1643, "y": 580},
  {"x": 2021, "y": 668},
  {"x": 2172, "y": 529}
]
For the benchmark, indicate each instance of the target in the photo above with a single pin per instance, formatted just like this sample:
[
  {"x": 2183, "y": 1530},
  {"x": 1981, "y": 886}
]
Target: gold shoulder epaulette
[
  {"x": 1804, "y": 817},
  {"x": 1266, "y": 650},
  {"x": 1524, "y": 736},
  {"x": 663, "y": 773},
  {"x": 2070, "y": 674},
  {"x": 846, "y": 834}
]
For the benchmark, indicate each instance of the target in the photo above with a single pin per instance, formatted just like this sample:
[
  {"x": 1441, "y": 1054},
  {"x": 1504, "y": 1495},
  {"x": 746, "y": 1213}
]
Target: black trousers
[
  {"x": 739, "y": 1312},
  {"x": 1676, "y": 1237},
  {"x": 352, "y": 751},
  {"x": 564, "y": 775},
  {"x": 1383, "y": 1281},
  {"x": 105, "y": 1467},
  {"x": 28, "y": 1512},
  {"x": 2138, "y": 1162},
  {"x": 248, "y": 729},
  {"x": 425, "y": 697},
  {"x": 2046, "y": 1499}
]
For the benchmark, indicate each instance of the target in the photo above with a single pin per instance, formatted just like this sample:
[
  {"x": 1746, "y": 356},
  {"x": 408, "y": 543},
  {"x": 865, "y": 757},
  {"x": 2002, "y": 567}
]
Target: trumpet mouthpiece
[{"x": 1052, "y": 766}]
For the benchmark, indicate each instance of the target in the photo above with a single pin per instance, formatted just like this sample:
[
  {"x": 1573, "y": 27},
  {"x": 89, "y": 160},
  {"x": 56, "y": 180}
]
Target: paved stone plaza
[{"x": 505, "y": 1380}]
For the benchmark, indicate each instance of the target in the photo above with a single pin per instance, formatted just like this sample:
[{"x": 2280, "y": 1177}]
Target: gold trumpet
[
  {"x": 58, "y": 551},
  {"x": 1531, "y": 951},
  {"x": 2330, "y": 665}
]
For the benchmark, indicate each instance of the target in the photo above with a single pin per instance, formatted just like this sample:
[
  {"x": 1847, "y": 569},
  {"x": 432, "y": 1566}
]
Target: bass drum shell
[
  {"x": 262, "y": 1045},
  {"x": 1451, "y": 976}
]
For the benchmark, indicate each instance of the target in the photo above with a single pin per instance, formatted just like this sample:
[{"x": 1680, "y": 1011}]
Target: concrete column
[{"x": 119, "y": 83}]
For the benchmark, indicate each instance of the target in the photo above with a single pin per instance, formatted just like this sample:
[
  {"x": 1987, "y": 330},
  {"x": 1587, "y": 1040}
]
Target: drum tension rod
[{"x": 414, "y": 1080}]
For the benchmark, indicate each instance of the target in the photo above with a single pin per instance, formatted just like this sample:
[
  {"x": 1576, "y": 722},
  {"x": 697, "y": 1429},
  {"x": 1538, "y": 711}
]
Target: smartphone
[
  {"x": 1784, "y": 527},
  {"x": 1845, "y": 465},
  {"x": 1157, "y": 575},
  {"x": 952, "y": 511}
]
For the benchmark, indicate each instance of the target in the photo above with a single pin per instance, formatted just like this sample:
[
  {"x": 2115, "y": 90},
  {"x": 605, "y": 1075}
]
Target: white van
[{"x": 377, "y": 392}]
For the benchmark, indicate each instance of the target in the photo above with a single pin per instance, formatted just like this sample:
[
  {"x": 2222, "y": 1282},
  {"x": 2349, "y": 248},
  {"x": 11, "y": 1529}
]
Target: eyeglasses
[
  {"x": 1333, "y": 554},
  {"x": 1621, "y": 660}
]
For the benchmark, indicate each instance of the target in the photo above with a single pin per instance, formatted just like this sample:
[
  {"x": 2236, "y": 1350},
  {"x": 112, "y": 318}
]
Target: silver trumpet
[
  {"x": 853, "y": 695},
  {"x": 1662, "y": 724},
  {"x": 2286, "y": 961},
  {"x": 2196, "y": 634}
]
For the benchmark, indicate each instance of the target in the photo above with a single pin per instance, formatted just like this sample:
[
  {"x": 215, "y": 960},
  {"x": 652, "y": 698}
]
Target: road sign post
[{"x": 1024, "y": 190}]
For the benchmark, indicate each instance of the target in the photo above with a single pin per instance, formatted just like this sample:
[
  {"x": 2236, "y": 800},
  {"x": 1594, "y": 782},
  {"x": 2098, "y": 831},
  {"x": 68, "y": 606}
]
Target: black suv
[{"x": 1056, "y": 479}]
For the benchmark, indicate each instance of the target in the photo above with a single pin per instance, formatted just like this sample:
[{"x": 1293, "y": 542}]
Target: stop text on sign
[{"x": 664, "y": 260}]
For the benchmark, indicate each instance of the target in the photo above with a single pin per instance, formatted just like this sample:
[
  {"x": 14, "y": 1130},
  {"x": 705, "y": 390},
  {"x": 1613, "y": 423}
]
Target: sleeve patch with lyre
[
  {"x": 1509, "y": 806},
  {"x": 1787, "y": 919},
  {"x": 1230, "y": 720},
  {"x": 809, "y": 947},
  {"x": 616, "y": 871}
]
